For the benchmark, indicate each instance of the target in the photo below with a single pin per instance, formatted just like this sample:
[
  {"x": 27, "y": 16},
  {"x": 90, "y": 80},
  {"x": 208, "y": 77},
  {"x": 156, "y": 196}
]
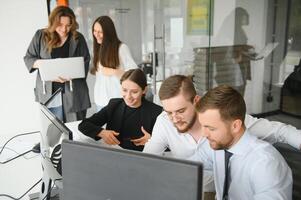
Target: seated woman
[{"x": 129, "y": 120}]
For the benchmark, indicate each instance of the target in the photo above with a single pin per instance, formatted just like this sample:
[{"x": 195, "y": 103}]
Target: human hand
[
  {"x": 36, "y": 64},
  {"x": 61, "y": 79},
  {"x": 141, "y": 141},
  {"x": 109, "y": 137}
]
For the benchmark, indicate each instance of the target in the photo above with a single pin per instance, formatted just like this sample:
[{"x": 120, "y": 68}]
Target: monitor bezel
[{"x": 57, "y": 122}]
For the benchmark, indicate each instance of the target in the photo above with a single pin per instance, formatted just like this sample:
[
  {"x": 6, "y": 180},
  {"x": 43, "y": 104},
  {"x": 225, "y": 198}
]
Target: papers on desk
[
  {"x": 263, "y": 52},
  {"x": 70, "y": 68},
  {"x": 78, "y": 136}
]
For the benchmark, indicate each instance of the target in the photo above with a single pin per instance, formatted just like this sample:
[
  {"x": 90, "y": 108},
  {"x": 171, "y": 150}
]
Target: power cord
[
  {"x": 22, "y": 154},
  {"x": 49, "y": 192},
  {"x": 17, "y": 153},
  {"x": 29, "y": 133},
  {"x": 6, "y": 195}
]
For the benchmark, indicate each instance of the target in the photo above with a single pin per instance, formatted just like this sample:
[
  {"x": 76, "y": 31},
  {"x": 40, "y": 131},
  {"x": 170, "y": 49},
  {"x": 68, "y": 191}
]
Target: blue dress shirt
[{"x": 258, "y": 171}]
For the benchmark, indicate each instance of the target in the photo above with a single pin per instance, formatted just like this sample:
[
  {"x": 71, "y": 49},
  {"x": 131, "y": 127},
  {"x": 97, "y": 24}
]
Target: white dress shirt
[
  {"x": 182, "y": 145},
  {"x": 257, "y": 170}
]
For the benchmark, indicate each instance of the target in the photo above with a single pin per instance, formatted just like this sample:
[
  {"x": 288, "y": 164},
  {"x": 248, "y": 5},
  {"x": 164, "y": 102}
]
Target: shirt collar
[{"x": 242, "y": 147}]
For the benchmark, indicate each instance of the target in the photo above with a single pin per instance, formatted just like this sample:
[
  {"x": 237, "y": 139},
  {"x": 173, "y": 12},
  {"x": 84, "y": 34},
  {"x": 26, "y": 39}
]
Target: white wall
[{"x": 18, "y": 21}]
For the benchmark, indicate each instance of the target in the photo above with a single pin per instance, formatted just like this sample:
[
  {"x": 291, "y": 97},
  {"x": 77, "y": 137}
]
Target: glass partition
[
  {"x": 248, "y": 49},
  {"x": 250, "y": 45}
]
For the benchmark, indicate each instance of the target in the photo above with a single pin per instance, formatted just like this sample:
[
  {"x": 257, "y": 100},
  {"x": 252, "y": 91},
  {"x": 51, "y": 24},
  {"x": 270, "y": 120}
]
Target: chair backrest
[{"x": 293, "y": 159}]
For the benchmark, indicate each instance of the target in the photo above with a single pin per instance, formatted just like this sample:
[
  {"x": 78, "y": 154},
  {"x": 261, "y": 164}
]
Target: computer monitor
[
  {"x": 55, "y": 104},
  {"x": 103, "y": 173},
  {"x": 53, "y": 132}
]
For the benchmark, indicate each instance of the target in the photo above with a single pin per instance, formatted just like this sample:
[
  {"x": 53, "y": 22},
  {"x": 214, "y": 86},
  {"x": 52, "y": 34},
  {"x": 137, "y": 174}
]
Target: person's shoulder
[
  {"x": 114, "y": 101},
  {"x": 163, "y": 118},
  {"x": 39, "y": 32},
  {"x": 79, "y": 36},
  {"x": 123, "y": 47},
  {"x": 264, "y": 151},
  {"x": 152, "y": 106}
]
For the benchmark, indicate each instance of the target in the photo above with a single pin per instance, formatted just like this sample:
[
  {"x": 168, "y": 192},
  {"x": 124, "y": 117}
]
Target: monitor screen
[{"x": 102, "y": 173}]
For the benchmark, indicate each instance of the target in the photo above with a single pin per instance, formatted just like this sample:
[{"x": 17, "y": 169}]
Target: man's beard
[{"x": 189, "y": 125}]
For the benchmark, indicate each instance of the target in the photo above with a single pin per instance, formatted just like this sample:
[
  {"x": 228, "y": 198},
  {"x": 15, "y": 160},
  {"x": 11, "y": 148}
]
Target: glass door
[{"x": 172, "y": 31}]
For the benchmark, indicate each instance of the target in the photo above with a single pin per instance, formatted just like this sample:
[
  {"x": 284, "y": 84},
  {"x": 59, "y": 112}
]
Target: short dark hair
[
  {"x": 175, "y": 84},
  {"x": 135, "y": 75},
  {"x": 227, "y": 100}
]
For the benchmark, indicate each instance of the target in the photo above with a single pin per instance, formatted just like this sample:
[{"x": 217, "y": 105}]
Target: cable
[
  {"x": 49, "y": 192},
  {"x": 6, "y": 195},
  {"x": 22, "y": 154},
  {"x": 17, "y": 153},
  {"x": 29, "y": 133},
  {"x": 3, "y": 147}
]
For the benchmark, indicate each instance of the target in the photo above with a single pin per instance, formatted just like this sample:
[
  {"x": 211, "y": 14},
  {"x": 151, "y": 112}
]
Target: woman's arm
[
  {"x": 92, "y": 126},
  {"x": 126, "y": 60},
  {"x": 84, "y": 52},
  {"x": 33, "y": 52}
]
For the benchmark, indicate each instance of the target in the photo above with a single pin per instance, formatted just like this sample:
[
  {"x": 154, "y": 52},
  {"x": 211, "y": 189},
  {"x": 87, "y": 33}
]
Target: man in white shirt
[
  {"x": 178, "y": 129},
  {"x": 244, "y": 167}
]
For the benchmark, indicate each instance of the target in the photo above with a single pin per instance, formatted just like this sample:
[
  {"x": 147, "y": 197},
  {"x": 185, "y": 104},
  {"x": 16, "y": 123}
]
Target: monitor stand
[{"x": 47, "y": 192}]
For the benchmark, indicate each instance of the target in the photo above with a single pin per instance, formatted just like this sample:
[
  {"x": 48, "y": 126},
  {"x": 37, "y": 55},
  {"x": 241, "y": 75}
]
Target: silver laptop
[{"x": 70, "y": 68}]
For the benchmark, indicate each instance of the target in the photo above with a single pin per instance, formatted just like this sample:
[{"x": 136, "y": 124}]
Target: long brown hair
[
  {"x": 50, "y": 36},
  {"x": 107, "y": 52}
]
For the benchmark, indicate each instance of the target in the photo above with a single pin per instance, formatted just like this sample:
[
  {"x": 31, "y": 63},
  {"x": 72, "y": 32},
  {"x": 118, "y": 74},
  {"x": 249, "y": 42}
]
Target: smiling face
[
  {"x": 218, "y": 132},
  {"x": 181, "y": 112},
  {"x": 132, "y": 93},
  {"x": 64, "y": 27},
  {"x": 98, "y": 33}
]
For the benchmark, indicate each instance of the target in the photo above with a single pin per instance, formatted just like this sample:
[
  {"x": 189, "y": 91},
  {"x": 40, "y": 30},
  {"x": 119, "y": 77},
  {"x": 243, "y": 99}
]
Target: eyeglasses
[{"x": 178, "y": 114}]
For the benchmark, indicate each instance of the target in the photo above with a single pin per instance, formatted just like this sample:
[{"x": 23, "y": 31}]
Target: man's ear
[
  {"x": 236, "y": 125},
  {"x": 196, "y": 99}
]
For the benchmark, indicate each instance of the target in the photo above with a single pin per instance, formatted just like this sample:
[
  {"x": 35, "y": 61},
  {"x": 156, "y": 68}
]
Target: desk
[{"x": 19, "y": 175}]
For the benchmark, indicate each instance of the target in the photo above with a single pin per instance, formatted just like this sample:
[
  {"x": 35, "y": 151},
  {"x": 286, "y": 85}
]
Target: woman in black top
[
  {"x": 60, "y": 39},
  {"x": 129, "y": 120}
]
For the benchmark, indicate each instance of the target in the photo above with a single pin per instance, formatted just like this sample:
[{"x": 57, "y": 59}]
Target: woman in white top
[{"x": 111, "y": 59}]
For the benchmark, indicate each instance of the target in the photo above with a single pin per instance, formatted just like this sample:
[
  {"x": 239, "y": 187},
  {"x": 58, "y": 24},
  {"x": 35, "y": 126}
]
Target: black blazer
[{"x": 112, "y": 116}]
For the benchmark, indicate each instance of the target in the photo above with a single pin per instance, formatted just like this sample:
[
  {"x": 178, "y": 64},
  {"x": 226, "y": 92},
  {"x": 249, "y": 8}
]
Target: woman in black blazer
[{"x": 129, "y": 120}]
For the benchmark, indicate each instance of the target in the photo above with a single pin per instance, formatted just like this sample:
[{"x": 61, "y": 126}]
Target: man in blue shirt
[{"x": 244, "y": 167}]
